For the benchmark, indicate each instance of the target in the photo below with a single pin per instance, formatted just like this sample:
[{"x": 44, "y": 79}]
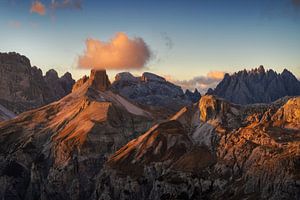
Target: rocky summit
[
  {"x": 151, "y": 91},
  {"x": 193, "y": 96},
  {"x": 23, "y": 87},
  {"x": 5, "y": 114},
  {"x": 99, "y": 80},
  {"x": 257, "y": 86}
]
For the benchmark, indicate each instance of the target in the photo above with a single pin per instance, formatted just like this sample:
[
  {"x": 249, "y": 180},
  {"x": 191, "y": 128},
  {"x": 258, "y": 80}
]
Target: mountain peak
[
  {"x": 15, "y": 58},
  {"x": 257, "y": 86},
  {"x": 261, "y": 69},
  {"x": 51, "y": 74},
  {"x": 67, "y": 75},
  {"x": 99, "y": 80},
  {"x": 125, "y": 76},
  {"x": 193, "y": 96},
  {"x": 147, "y": 76},
  {"x": 286, "y": 72}
]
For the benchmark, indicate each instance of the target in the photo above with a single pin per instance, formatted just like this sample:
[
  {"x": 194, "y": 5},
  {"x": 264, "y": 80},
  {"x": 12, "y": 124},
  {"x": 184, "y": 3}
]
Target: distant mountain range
[
  {"x": 257, "y": 86},
  {"x": 24, "y": 87},
  {"x": 125, "y": 140}
]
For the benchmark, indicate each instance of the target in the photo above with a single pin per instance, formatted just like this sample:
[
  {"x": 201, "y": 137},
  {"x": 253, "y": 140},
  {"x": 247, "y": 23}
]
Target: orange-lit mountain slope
[
  {"x": 53, "y": 151},
  {"x": 212, "y": 150}
]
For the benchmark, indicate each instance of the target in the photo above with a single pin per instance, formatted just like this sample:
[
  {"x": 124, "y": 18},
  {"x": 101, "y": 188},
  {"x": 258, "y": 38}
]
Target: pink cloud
[
  {"x": 38, "y": 7},
  {"x": 202, "y": 83},
  {"x": 121, "y": 52},
  {"x": 61, "y": 4},
  {"x": 15, "y": 24}
]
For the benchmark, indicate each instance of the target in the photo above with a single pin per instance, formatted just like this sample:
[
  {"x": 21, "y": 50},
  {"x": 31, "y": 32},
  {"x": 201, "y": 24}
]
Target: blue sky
[{"x": 188, "y": 37}]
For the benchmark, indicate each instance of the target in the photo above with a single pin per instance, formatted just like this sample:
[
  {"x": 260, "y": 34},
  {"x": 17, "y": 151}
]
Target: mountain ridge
[
  {"x": 257, "y": 86},
  {"x": 151, "y": 91},
  {"x": 23, "y": 87},
  {"x": 53, "y": 143},
  {"x": 230, "y": 151}
]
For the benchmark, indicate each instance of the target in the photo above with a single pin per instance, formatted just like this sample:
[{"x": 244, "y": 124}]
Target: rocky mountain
[
  {"x": 5, "y": 114},
  {"x": 56, "y": 151},
  {"x": 211, "y": 150},
  {"x": 151, "y": 91},
  {"x": 23, "y": 87},
  {"x": 257, "y": 86},
  {"x": 193, "y": 96},
  {"x": 108, "y": 141},
  {"x": 90, "y": 145},
  {"x": 60, "y": 86}
]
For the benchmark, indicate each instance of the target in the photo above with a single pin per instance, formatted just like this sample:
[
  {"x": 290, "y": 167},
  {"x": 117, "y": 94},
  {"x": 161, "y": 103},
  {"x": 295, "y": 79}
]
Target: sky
[{"x": 182, "y": 40}]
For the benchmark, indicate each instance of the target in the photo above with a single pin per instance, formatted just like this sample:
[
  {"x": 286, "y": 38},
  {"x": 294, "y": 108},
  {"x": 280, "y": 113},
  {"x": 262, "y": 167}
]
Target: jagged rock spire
[{"x": 99, "y": 80}]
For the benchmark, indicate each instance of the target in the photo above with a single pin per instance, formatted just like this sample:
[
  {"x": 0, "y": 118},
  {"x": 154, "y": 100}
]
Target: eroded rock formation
[
  {"x": 211, "y": 150},
  {"x": 55, "y": 152},
  {"x": 23, "y": 87},
  {"x": 257, "y": 86},
  {"x": 151, "y": 92},
  {"x": 5, "y": 114}
]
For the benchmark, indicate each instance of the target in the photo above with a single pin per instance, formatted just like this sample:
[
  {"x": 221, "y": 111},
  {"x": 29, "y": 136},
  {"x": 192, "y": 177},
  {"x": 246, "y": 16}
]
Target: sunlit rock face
[
  {"x": 257, "y": 86},
  {"x": 80, "y": 82},
  {"x": 56, "y": 152},
  {"x": 99, "y": 80},
  {"x": 23, "y": 87},
  {"x": 212, "y": 150}
]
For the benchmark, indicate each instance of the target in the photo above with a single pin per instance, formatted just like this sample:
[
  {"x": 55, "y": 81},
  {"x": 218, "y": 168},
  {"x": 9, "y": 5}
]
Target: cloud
[
  {"x": 202, "y": 83},
  {"x": 62, "y": 4},
  {"x": 281, "y": 9},
  {"x": 216, "y": 75},
  {"x": 15, "y": 24},
  {"x": 33, "y": 24},
  {"x": 296, "y": 3},
  {"x": 167, "y": 40},
  {"x": 38, "y": 7},
  {"x": 120, "y": 52}
]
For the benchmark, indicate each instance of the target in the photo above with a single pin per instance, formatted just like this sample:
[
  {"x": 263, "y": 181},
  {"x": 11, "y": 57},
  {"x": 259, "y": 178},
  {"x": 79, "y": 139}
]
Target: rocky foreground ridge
[
  {"x": 211, "y": 150},
  {"x": 23, "y": 87},
  {"x": 257, "y": 86},
  {"x": 5, "y": 114},
  {"x": 95, "y": 144},
  {"x": 56, "y": 151}
]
